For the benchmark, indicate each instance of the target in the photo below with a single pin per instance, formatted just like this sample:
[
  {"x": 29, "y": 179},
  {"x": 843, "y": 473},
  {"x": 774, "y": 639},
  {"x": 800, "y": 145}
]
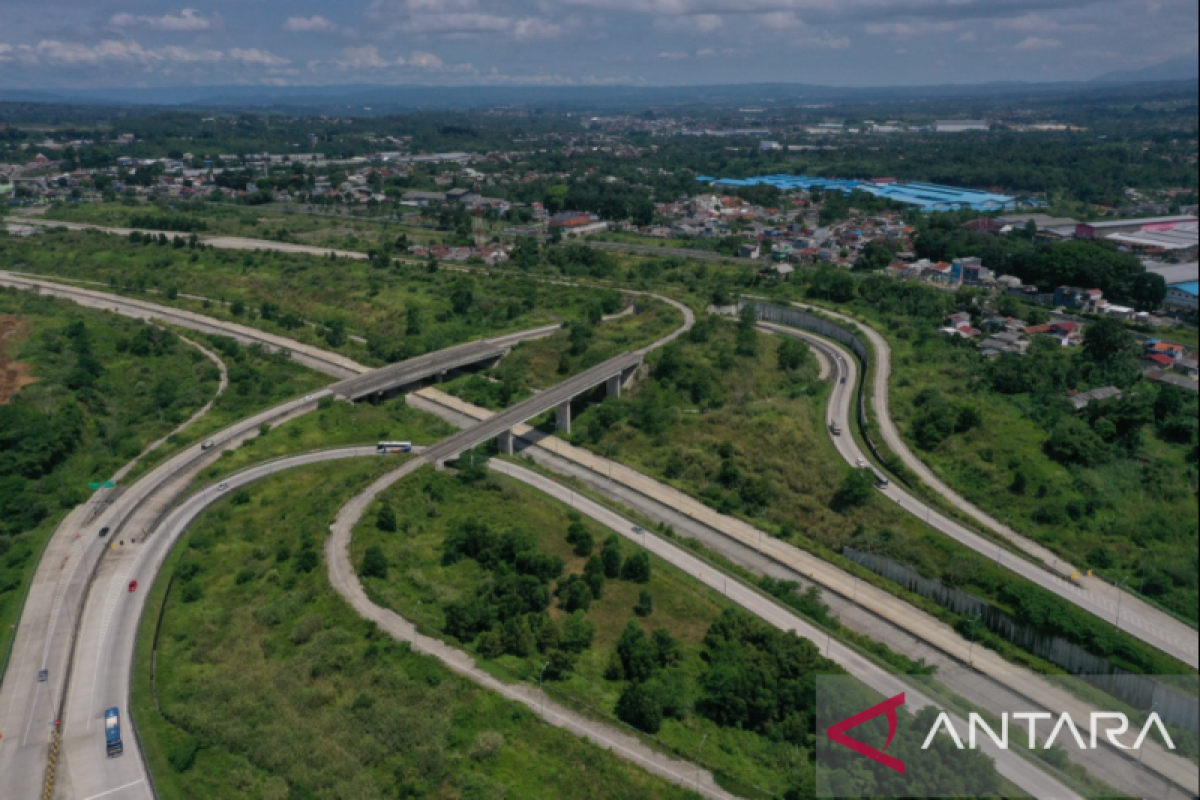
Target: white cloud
[
  {"x": 57, "y": 53},
  {"x": 906, "y": 30},
  {"x": 698, "y": 23},
  {"x": 189, "y": 19},
  {"x": 366, "y": 57},
  {"x": 673, "y": 56},
  {"x": 781, "y": 21},
  {"x": 534, "y": 28},
  {"x": 460, "y": 19},
  {"x": 257, "y": 57},
  {"x": 426, "y": 61},
  {"x": 1038, "y": 43},
  {"x": 314, "y": 24}
]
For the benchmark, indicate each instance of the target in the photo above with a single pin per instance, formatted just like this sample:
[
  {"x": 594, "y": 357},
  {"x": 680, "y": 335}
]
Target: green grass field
[
  {"x": 419, "y": 586},
  {"x": 401, "y": 311},
  {"x": 271, "y": 686},
  {"x": 64, "y": 430}
]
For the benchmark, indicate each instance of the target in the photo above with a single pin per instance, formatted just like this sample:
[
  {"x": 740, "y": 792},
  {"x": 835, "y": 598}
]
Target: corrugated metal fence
[{"x": 1140, "y": 691}]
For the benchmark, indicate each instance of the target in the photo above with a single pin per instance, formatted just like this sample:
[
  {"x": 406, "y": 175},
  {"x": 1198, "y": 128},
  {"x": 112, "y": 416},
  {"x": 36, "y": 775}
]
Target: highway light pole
[
  {"x": 1120, "y": 594},
  {"x": 971, "y": 649},
  {"x": 699, "y": 750}
]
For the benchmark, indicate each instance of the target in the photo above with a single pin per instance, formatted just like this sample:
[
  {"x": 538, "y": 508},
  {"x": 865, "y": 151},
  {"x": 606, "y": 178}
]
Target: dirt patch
[{"x": 14, "y": 375}]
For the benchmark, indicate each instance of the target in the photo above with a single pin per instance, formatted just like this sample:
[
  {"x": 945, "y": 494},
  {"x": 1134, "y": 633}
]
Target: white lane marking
[
  {"x": 114, "y": 598},
  {"x": 29, "y": 723},
  {"x": 118, "y": 789}
]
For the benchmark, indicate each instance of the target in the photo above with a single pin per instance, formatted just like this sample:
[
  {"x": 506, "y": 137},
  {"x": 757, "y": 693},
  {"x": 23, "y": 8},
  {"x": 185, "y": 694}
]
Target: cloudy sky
[{"x": 100, "y": 43}]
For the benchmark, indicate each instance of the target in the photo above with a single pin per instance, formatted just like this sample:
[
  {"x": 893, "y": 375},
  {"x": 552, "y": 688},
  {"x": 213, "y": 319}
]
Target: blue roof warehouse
[{"x": 926, "y": 196}]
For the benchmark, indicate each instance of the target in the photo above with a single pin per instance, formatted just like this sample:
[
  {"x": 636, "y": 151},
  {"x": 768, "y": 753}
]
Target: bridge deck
[{"x": 526, "y": 410}]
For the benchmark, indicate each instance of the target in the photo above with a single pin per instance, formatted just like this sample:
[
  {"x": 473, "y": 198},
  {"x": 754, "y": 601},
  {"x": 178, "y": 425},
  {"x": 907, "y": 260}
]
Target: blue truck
[{"x": 112, "y": 732}]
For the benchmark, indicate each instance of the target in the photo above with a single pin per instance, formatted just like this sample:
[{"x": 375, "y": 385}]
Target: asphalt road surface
[
  {"x": 981, "y": 676},
  {"x": 103, "y": 666},
  {"x": 1136, "y": 616}
]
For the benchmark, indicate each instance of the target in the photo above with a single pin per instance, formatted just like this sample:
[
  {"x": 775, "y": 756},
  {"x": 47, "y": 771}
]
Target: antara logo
[
  {"x": 837, "y": 732},
  {"x": 1118, "y": 725}
]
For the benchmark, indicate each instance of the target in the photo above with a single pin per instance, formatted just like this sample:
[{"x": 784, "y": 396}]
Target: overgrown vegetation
[
  {"x": 398, "y": 311},
  {"x": 546, "y": 595},
  {"x": 271, "y": 686},
  {"x": 102, "y": 388},
  {"x": 1111, "y": 488}
]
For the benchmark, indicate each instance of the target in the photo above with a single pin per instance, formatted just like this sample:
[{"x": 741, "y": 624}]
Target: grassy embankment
[
  {"x": 420, "y": 586},
  {"x": 401, "y": 311},
  {"x": 1129, "y": 516},
  {"x": 102, "y": 388},
  {"x": 747, "y": 438},
  {"x": 337, "y": 232},
  {"x": 273, "y": 687}
]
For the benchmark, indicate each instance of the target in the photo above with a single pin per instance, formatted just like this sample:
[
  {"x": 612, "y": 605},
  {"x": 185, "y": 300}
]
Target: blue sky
[{"x": 98, "y": 44}]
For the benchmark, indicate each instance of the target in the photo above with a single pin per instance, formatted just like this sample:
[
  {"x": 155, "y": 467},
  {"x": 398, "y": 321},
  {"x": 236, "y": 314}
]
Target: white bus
[{"x": 391, "y": 448}]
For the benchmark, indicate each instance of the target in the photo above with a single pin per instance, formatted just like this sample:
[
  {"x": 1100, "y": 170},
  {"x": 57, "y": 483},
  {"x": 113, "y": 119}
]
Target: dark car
[
  {"x": 104, "y": 531},
  {"x": 42, "y": 675}
]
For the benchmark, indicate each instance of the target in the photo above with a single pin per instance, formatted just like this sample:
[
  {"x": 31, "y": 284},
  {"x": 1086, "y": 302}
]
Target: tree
[
  {"x": 645, "y": 604},
  {"x": 575, "y": 594},
  {"x": 1112, "y": 351},
  {"x": 857, "y": 488},
  {"x": 582, "y": 539},
  {"x": 611, "y": 555},
  {"x": 638, "y": 707},
  {"x": 374, "y": 563},
  {"x": 462, "y": 296},
  {"x": 385, "y": 520},
  {"x": 637, "y": 568},
  {"x": 747, "y": 335},
  {"x": 577, "y": 633},
  {"x": 874, "y": 256},
  {"x": 636, "y": 654},
  {"x": 792, "y": 354},
  {"x": 1073, "y": 442}
]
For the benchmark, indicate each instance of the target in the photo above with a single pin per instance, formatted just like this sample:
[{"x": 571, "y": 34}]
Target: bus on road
[
  {"x": 112, "y": 732},
  {"x": 391, "y": 448}
]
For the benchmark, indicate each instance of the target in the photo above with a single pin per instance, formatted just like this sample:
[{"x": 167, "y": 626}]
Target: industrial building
[
  {"x": 960, "y": 125},
  {"x": 926, "y": 196},
  {"x": 1097, "y": 230},
  {"x": 1183, "y": 296}
]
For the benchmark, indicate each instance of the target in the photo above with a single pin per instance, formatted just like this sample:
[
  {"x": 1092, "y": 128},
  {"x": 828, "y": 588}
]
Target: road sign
[{"x": 94, "y": 485}]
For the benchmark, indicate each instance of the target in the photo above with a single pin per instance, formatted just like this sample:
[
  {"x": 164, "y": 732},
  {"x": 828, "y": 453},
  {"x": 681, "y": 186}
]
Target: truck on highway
[
  {"x": 112, "y": 732},
  {"x": 391, "y": 448}
]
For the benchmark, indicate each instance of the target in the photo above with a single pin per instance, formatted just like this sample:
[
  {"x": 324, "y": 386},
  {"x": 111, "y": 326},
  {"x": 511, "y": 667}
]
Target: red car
[{"x": 133, "y": 586}]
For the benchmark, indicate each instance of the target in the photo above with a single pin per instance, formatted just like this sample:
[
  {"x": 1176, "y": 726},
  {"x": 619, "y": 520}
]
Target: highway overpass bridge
[
  {"x": 612, "y": 373},
  {"x": 433, "y": 367}
]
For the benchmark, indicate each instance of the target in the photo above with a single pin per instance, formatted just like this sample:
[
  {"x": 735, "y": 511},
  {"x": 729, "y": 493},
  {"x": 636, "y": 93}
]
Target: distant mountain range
[
  {"x": 376, "y": 99},
  {"x": 1183, "y": 68}
]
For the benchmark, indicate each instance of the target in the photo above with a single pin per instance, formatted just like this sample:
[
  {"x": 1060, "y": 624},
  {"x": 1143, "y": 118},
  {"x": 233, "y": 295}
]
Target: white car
[{"x": 860, "y": 463}]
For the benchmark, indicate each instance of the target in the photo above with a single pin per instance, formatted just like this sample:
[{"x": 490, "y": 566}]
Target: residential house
[
  {"x": 1004, "y": 342},
  {"x": 1087, "y": 300},
  {"x": 1082, "y": 400}
]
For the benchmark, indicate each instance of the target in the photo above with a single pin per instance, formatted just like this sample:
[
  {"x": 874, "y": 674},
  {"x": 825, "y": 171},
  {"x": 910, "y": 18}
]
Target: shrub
[
  {"x": 637, "y": 568},
  {"x": 374, "y": 563},
  {"x": 638, "y": 707}
]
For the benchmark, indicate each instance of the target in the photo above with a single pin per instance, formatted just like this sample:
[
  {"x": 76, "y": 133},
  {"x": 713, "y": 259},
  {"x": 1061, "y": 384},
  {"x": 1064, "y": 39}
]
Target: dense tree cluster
[
  {"x": 760, "y": 678},
  {"x": 1085, "y": 264}
]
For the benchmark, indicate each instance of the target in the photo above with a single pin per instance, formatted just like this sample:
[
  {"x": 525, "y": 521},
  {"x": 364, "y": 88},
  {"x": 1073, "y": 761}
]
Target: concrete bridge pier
[
  {"x": 504, "y": 442},
  {"x": 612, "y": 387},
  {"x": 562, "y": 417}
]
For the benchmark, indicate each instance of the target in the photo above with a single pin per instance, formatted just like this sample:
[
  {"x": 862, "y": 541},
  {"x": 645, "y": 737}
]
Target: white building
[{"x": 960, "y": 125}]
